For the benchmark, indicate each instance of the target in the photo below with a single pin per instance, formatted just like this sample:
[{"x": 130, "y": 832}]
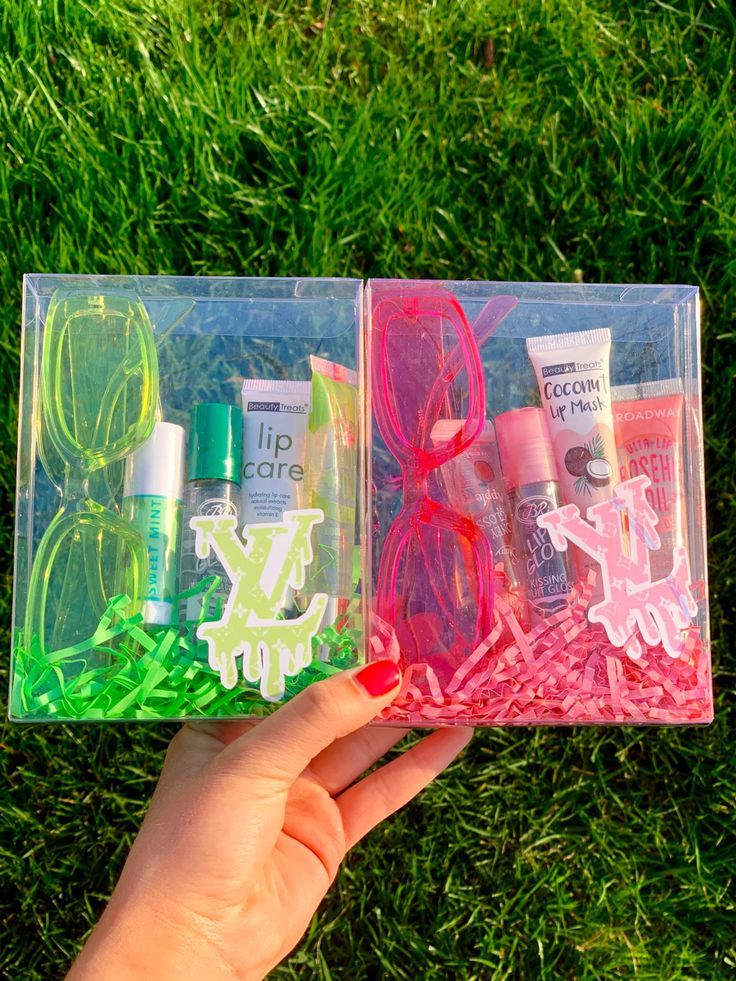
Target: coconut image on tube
[
  {"x": 588, "y": 464},
  {"x": 572, "y": 373}
]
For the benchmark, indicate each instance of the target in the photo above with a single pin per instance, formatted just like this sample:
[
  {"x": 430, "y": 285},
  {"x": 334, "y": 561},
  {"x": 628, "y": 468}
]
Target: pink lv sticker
[{"x": 633, "y": 606}]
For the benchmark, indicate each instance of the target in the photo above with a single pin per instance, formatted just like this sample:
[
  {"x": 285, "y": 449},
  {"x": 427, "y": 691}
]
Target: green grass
[{"x": 559, "y": 141}]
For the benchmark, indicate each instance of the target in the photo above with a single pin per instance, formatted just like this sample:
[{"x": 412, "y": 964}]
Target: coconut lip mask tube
[
  {"x": 475, "y": 486},
  {"x": 647, "y": 422},
  {"x": 275, "y": 415},
  {"x": 573, "y": 376}
]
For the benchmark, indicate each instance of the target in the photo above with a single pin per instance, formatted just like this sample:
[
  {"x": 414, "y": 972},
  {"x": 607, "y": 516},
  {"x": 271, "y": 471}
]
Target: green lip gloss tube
[{"x": 152, "y": 503}]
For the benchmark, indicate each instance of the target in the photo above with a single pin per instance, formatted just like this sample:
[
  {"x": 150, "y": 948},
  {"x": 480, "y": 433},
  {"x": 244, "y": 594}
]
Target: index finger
[{"x": 279, "y": 749}]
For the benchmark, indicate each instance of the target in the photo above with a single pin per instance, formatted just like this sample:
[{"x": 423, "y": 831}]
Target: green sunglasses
[{"x": 98, "y": 398}]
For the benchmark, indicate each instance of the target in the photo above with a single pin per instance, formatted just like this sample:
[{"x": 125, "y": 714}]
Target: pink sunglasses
[{"x": 435, "y": 577}]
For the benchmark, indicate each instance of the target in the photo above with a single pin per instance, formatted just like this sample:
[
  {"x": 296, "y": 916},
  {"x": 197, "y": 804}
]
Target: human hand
[{"x": 247, "y": 828}]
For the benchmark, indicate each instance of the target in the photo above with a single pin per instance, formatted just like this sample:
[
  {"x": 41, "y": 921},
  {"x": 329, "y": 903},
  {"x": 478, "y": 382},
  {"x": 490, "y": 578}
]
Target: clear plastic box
[
  {"x": 536, "y": 465},
  {"x": 416, "y": 467},
  {"x": 121, "y": 610}
]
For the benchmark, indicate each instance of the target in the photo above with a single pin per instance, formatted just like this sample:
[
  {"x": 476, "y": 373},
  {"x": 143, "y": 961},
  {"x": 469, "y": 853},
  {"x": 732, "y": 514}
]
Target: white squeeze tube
[
  {"x": 573, "y": 376},
  {"x": 275, "y": 419}
]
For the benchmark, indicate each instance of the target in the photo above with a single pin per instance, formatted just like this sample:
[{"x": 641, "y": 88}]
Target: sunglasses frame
[
  {"x": 390, "y": 310},
  {"x": 79, "y": 516}
]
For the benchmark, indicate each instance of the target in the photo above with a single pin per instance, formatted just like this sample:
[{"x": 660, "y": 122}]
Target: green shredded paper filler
[{"x": 128, "y": 671}]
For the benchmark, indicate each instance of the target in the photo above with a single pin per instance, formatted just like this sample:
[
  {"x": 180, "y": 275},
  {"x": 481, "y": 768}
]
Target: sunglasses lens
[
  {"x": 439, "y": 610},
  {"x": 425, "y": 379},
  {"x": 99, "y": 378},
  {"x": 83, "y": 561}
]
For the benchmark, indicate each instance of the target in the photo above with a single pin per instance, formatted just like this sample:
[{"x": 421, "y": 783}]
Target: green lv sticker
[{"x": 273, "y": 557}]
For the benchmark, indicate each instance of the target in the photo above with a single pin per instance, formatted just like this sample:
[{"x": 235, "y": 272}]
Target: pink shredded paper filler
[{"x": 565, "y": 671}]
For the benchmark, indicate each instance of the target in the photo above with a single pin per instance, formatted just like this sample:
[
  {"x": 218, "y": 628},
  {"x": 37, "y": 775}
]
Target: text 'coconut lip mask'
[{"x": 231, "y": 489}]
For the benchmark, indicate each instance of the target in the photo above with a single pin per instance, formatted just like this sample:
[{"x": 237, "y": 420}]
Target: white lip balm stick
[{"x": 152, "y": 503}]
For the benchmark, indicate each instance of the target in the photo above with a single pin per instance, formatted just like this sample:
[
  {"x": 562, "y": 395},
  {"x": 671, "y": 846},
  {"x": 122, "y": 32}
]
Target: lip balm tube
[
  {"x": 647, "y": 421},
  {"x": 152, "y": 503},
  {"x": 531, "y": 481},
  {"x": 475, "y": 487},
  {"x": 573, "y": 376},
  {"x": 275, "y": 418},
  {"x": 275, "y": 415}
]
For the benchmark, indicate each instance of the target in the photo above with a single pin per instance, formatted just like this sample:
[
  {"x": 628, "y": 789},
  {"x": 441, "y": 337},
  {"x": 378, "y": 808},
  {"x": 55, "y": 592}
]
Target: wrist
[{"x": 130, "y": 945}]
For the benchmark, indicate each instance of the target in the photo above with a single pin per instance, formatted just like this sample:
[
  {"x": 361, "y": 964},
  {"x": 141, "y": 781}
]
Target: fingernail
[{"x": 378, "y": 677}]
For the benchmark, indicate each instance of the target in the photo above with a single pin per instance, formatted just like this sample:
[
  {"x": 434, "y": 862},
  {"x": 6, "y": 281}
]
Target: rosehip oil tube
[{"x": 648, "y": 430}]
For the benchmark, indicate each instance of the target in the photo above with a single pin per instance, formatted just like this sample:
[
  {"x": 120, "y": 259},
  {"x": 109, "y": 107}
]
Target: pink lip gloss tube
[
  {"x": 475, "y": 487},
  {"x": 531, "y": 482}
]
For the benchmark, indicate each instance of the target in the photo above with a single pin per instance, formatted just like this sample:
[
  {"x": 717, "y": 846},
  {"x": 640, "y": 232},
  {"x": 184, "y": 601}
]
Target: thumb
[{"x": 276, "y": 751}]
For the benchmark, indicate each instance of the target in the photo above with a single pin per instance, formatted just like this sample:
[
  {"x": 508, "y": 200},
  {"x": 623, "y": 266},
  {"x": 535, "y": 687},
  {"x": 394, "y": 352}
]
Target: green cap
[{"x": 215, "y": 442}]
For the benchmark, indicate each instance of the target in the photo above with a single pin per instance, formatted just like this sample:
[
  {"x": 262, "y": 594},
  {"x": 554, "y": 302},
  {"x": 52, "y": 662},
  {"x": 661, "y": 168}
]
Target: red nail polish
[{"x": 379, "y": 677}]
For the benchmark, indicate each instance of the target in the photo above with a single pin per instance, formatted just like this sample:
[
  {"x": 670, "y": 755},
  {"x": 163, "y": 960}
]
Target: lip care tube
[
  {"x": 531, "y": 481},
  {"x": 275, "y": 417},
  {"x": 152, "y": 503},
  {"x": 648, "y": 428},
  {"x": 573, "y": 376},
  {"x": 475, "y": 487}
]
